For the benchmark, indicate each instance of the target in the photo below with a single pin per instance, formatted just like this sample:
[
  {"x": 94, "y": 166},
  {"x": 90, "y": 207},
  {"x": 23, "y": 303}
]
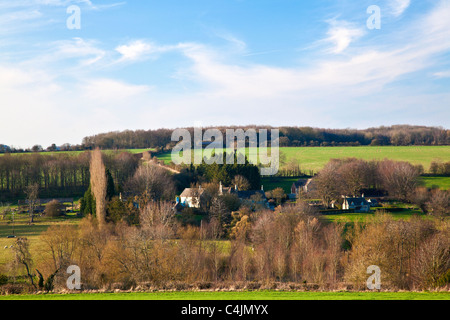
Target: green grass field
[
  {"x": 33, "y": 232},
  {"x": 353, "y": 217},
  {"x": 271, "y": 183},
  {"x": 246, "y": 295},
  {"x": 314, "y": 158},
  {"x": 440, "y": 182}
]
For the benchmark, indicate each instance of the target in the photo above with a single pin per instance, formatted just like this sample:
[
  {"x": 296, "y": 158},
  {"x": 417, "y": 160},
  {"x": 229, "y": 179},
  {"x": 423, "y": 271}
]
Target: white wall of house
[{"x": 190, "y": 202}]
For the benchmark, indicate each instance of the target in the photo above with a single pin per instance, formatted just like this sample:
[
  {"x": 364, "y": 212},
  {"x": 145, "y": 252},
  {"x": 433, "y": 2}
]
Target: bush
[
  {"x": 53, "y": 209},
  {"x": 10, "y": 288},
  {"x": 204, "y": 285},
  {"x": 3, "y": 279}
]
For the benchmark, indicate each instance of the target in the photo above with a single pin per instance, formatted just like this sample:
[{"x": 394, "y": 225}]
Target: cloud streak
[
  {"x": 341, "y": 34},
  {"x": 398, "y": 7}
]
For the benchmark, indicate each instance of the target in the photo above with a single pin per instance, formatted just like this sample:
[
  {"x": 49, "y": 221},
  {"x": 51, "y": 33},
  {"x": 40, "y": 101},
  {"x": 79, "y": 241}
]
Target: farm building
[
  {"x": 253, "y": 197},
  {"x": 304, "y": 185},
  {"x": 193, "y": 197},
  {"x": 361, "y": 204}
]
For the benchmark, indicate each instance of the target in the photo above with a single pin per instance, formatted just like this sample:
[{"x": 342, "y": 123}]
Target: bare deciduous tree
[
  {"x": 154, "y": 182},
  {"x": 439, "y": 204},
  {"x": 219, "y": 212},
  {"x": 32, "y": 192},
  {"x": 241, "y": 183},
  {"x": 432, "y": 262},
  {"x": 353, "y": 175},
  {"x": 327, "y": 184},
  {"x": 23, "y": 257},
  {"x": 400, "y": 179},
  {"x": 157, "y": 220}
]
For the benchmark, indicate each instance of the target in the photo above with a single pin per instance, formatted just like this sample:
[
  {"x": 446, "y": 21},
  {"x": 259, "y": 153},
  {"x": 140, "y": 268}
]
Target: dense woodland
[
  {"x": 399, "y": 135},
  {"x": 59, "y": 175},
  {"x": 289, "y": 136},
  {"x": 68, "y": 175}
]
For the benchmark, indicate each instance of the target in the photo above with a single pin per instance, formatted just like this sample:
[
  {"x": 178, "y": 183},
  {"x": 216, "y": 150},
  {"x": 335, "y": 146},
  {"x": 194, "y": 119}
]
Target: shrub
[
  {"x": 204, "y": 285},
  {"x": 10, "y": 288},
  {"x": 3, "y": 279},
  {"x": 444, "y": 280},
  {"x": 53, "y": 209}
]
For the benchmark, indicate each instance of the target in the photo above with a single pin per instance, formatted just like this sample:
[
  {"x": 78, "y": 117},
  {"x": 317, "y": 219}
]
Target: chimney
[
  {"x": 220, "y": 188},
  {"x": 235, "y": 187},
  {"x": 262, "y": 188}
]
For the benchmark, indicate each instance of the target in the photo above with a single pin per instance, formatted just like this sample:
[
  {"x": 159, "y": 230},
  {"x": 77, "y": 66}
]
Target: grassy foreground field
[{"x": 251, "y": 295}]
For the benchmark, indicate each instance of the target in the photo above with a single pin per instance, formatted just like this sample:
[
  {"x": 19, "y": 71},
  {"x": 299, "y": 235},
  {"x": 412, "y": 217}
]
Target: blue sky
[{"x": 150, "y": 64}]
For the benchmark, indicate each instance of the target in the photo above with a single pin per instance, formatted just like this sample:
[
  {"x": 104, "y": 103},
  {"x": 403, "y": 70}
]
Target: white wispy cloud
[
  {"x": 55, "y": 3},
  {"x": 111, "y": 91},
  {"x": 341, "y": 34},
  {"x": 19, "y": 20},
  {"x": 51, "y": 112},
  {"x": 398, "y": 6},
  {"x": 28, "y": 15},
  {"x": 85, "y": 50},
  {"x": 135, "y": 50},
  {"x": 67, "y": 57},
  {"x": 237, "y": 43},
  {"x": 442, "y": 74}
]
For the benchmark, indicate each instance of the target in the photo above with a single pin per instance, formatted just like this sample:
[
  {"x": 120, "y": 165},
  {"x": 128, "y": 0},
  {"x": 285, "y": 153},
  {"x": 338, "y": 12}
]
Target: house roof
[
  {"x": 250, "y": 193},
  {"x": 304, "y": 183},
  {"x": 300, "y": 183},
  {"x": 227, "y": 190},
  {"x": 192, "y": 192},
  {"x": 357, "y": 201}
]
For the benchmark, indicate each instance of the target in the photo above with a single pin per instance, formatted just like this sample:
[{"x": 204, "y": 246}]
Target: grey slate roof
[
  {"x": 357, "y": 201},
  {"x": 300, "y": 183},
  {"x": 250, "y": 193}
]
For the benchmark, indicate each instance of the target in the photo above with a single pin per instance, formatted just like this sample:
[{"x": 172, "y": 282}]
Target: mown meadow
[{"x": 315, "y": 158}]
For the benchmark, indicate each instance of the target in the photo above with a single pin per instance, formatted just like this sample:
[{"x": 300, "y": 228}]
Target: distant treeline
[
  {"x": 398, "y": 135},
  {"x": 58, "y": 175}
]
